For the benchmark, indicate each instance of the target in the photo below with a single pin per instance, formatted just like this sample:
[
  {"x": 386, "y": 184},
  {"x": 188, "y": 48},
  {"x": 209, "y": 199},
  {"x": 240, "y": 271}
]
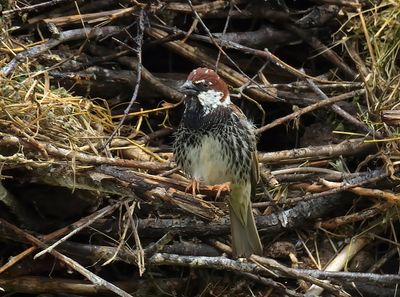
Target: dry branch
[
  {"x": 68, "y": 261},
  {"x": 86, "y": 159},
  {"x": 222, "y": 263},
  {"x": 283, "y": 61},
  {"x": 39, "y": 285},
  {"x": 312, "y": 107},
  {"x": 196, "y": 56},
  {"x": 346, "y": 148},
  {"x": 298, "y": 216},
  {"x": 71, "y": 35}
]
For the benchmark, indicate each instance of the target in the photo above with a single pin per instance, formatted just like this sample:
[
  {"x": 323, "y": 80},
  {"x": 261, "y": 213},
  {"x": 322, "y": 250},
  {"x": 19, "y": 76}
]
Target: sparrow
[{"x": 215, "y": 144}]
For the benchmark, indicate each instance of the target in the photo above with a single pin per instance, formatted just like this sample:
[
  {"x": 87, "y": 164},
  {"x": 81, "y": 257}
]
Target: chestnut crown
[
  {"x": 207, "y": 88},
  {"x": 208, "y": 79}
]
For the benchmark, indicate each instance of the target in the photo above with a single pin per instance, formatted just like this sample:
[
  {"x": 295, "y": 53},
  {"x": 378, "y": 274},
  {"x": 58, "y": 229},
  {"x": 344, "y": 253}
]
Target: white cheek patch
[{"x": 212, "y": 99}]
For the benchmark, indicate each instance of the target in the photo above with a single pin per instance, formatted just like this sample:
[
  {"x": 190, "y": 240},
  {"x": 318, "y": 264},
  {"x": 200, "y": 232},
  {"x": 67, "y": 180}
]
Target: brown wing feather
[
  {"x": 245, "y": 238},
  {"x": 255, "y": 175},
  {"x": 255, "y": 169}
]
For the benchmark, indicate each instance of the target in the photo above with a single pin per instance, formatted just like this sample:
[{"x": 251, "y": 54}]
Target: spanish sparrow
[{"x": 215, "y": 144}]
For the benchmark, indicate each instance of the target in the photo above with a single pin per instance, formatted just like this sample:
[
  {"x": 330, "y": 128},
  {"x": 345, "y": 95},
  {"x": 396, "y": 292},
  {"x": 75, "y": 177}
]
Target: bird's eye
[{"x": 201, "y": 84}]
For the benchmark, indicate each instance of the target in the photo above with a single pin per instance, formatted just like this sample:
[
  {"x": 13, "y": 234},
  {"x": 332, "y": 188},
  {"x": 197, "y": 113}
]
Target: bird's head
[{"x": 208, "y": 88}]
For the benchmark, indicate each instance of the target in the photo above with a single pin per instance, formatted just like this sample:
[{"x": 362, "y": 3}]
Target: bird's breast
[
  {"x": 209, "y": 161},
  {"x": 215, "y": 149}
]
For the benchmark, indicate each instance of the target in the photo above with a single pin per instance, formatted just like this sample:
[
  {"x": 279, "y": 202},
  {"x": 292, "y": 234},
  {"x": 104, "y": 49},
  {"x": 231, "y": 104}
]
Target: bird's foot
[
  {"x": 194, "y": 186},
  {"x": 220, "y": 188}
]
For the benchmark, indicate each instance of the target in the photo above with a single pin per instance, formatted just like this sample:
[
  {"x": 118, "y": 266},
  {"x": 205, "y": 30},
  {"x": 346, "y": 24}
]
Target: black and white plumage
[{"x": 216, "y": 144}]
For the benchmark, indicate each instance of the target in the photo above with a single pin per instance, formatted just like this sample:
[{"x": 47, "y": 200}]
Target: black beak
[{"x": 188, "y": 88}]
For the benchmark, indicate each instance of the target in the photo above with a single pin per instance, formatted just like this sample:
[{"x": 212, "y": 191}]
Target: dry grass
[
  {"x": 371, "y": 38},
  {"x": 377, "y": 32},
  {"x": 29, "y": 104}
]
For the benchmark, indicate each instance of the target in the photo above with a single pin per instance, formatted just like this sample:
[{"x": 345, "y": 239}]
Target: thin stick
[
  {"x": 309, "y": 108},
  {"x": 215, "y": 42},
  {"x": 75, "y": 34},
  {"x": 51, "y": 236},
  {"x": 139, "y": 37},
  {"x": 139, "y": 249},
  {"x": 261, "y": 265},
  {"x": 345, "y": 148},
  {"x": 345, "y": 187},
  {"x": 35, "y": 7},
  {"x": 336, "y": 108},
  {"x": 104, "y": 212},
  {"x": 61, "y": 153},
  {"x": 70, "y": 262}
]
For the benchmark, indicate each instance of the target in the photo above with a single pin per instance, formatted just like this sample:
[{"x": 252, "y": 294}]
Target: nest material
[
  {"x": 51, "y": 140},
  {"x": 51, "y": 114}
]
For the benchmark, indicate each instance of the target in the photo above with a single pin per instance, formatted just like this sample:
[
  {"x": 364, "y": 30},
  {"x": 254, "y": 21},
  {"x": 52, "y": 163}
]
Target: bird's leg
[
  {"x": 194, "y": 185},
  {"x": 221, "y": 187}
]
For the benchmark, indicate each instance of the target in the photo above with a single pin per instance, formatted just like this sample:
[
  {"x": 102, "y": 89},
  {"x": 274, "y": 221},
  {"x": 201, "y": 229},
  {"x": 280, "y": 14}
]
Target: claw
[
  {"x": 221, "y": 187},
  {"x": 194, "y": 186}
]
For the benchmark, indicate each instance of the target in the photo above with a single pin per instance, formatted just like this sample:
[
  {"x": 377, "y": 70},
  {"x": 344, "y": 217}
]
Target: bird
[{"x": 215, "y": 144}]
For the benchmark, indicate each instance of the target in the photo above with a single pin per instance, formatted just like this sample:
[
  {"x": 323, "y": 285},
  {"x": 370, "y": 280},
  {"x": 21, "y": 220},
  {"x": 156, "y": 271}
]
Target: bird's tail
[{"x": 245, "y": 238}]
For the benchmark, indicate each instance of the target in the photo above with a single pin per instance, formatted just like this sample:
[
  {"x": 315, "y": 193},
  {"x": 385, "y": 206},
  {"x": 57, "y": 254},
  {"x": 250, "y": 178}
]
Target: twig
[
  {"x": 51, "y": 236},
  {"x": 90, "y": 18},
  {"x": 271, "y": 283},
  {"x": 198, "y": 57},
  {"x": 309, "y": 108},
  {"x": 386, "y": 257},
  {"x": 308, "y": 170},
  {"x": 354, "y": 217},
  {"x": 336, "y": 108},
  {"x": 223, "y": 31},
  {"x": 357, "y": 243},
  {"x": 139, "y": 38},
  {"x": 37, "y": 286},
  {"x": 345, "y": 148},
  {"x": 35, "y": 6},
  {"x": 89, "y": 220},
  {"x": 346, "y": 277},
  {"x": 222, "y": 263},
  {"x": 82, "y": 157},
  {"x": 70, "y": 35},
  {"x": 139, "y": 250},
  {"x": 96, "y": 253},
  {"x": 349, "y": 3},
  {"x": 374, "y": 177},
  {"x": 266, "y": 54},
  {"x": 375, "y": 193},
  {"x": 220, "y": 49},
  {"x": 201, "y": 8},
  {"x": 159, "y": 245},
  {"x": 126, "y": 183},
  {"x": 267, "y": 224},
  {"x": 70, "y": 262},
  {"x": 326, "y": 52}
]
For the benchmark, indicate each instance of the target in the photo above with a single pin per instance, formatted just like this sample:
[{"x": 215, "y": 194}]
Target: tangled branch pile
[{"x": 89, "y": 101}]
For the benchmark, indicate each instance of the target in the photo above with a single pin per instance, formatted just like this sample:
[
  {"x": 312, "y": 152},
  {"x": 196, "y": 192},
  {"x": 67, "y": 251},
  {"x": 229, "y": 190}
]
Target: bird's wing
[
  {"x": 255, "y": 174},
  {"x": 255, "y": 169}
]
